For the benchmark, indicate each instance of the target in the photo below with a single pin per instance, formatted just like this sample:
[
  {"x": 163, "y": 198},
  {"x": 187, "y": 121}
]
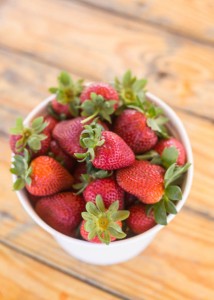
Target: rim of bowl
[{"x": 178, "y": 129}]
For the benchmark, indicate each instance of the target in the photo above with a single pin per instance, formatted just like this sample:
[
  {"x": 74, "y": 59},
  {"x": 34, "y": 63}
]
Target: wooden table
[{"x": 169, "y": 42}]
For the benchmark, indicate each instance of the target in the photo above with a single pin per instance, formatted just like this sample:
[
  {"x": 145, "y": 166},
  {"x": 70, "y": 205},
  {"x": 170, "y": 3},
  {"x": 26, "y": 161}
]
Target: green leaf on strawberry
[
  {"x": 97, "y": 106},
  {"x": 20, "y": 168},
  {"x": 68, "y": 92},
  {"x": 31, "y": 136},
  {"x": 102, "y": 222},
  {"x": 90, "y": 138},
  {"x": 172, "y": 192}
]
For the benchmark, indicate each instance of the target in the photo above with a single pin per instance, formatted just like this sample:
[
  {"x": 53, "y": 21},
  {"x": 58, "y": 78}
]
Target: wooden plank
[
  {"x": 98, "y": 45},
  {"x": 193, "y": 19},
  {"x": 23, "y": 278},
  {"x": 163, "y": 271}
]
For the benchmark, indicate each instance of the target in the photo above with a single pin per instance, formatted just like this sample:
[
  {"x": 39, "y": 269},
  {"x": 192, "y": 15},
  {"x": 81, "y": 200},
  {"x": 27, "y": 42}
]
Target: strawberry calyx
[
  {"x": 92, "y": 174},
  {"x": 29, "y": 136},
  {"x": 172, "y": 191},
  {"x": 68, "y": 92},
  {"x": 90, "y": 138},
  {"x": 102, "y": 222},
  {"x": 97, "y": 105},
  {"x": 132, "y": 94},
  {"x": 130, "y": 89},
  {"x": 20, "y": 168}
]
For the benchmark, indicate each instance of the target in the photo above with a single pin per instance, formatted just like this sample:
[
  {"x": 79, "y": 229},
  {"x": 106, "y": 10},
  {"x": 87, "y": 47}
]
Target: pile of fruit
[{"x": 100, "y": 164}]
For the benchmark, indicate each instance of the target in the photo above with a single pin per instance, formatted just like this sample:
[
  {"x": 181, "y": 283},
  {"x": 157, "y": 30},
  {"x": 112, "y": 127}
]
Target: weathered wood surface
[
  {"x": 179, "y": 264},
  {"x": 193, "y": 19},
  {"x": 97, "y": 45}
]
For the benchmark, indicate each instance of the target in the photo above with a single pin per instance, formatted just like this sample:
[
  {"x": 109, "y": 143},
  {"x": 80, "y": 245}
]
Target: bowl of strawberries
[{"x": 101, "y": 167}]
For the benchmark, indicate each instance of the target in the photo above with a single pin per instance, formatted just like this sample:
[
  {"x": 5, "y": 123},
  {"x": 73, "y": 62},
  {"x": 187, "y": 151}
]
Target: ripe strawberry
[
  {"x": 113, "y": 154},
  {"x": 106, "y": 149},
  {"x": 61, "y": 211},
  {"x": 61, "y": 109},
  {"x": 44, "y": 177},
  {"x": 51, "y": 123},
  {"x": 138, "y": 221},
  {"x": 102, "y": 225},
  {"x": 172, "y": 142},
  {"x": 144, "y": 180},
  {"x": 99, "y": 99},
  {"x": 35, "y": 137},
  {"x": 132, "y": 127},
  {"x": 109, "y": 190},
  {"x": 67, "y": 134},
  {"x": 66, "y": 160}
]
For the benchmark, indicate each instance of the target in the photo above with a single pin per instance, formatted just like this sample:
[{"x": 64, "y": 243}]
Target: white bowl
[{"x": 123, "y": 250}]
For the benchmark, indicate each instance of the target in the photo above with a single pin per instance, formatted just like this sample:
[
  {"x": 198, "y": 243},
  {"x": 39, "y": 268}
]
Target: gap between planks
[
  {"x": 62, "y": 270},
  {"x": 144, "y": 21}
]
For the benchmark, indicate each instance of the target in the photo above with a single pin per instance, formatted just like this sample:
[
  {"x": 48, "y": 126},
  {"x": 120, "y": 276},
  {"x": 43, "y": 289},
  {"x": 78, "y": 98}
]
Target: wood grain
[
  {"x": 97, "y": 45},
  {"x": 23, "y": 278},
  {"x": 193, "y": 19}
]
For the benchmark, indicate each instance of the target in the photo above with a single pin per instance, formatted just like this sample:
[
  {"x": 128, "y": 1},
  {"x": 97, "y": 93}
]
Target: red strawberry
[
  {"x": 67, "y": 134},
  {"x": 84, "y": 234},
  {"x": 48, "y": 177},
  {"x": 35, "y": 138},
  {"x": 132, "y": 127},
  {"x": 66, "y": 160},
  {"x": 99, "y": 99},
  {"x": 108, "y": 189},
  {"x": 144, "y": 180},
  {"x": 138, "y": 221},
  {"x": 172, "y": 142},
  {"x": 113, "y": 154},
  {"x": 61, "y": 211},
  {"x": 61, "y": 109},
  {"x": 51, "y": 121},
  {"x": 44, "y": 176},
  {"x": 103, "y": 89}
]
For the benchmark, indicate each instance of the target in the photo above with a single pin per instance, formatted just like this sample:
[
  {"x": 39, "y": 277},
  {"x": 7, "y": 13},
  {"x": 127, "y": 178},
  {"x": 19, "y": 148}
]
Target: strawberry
[
  {"x": 66, "y": 160},
  {"x": 144, "y": 180},
  {"x": 67, "y": 134},
  {"x": 35, "y": 137},
  {"x": 138, "y": 221},
  {"x": 103, "y": 225},
  {"x": 106, "y": 149},
  {"x": 132, "y": 127},
  {"x": 99, "y": 99},
  {"x": 51, "y": 123},
  {"x": 172, "y": 142},
  {"x": 66, "y": 103},
  {"x": 43, "y": 177},
  {"x": 61, "y": 109},
  {"x": 107, "y": 188},
  {"x": 61, "y": 211}
]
